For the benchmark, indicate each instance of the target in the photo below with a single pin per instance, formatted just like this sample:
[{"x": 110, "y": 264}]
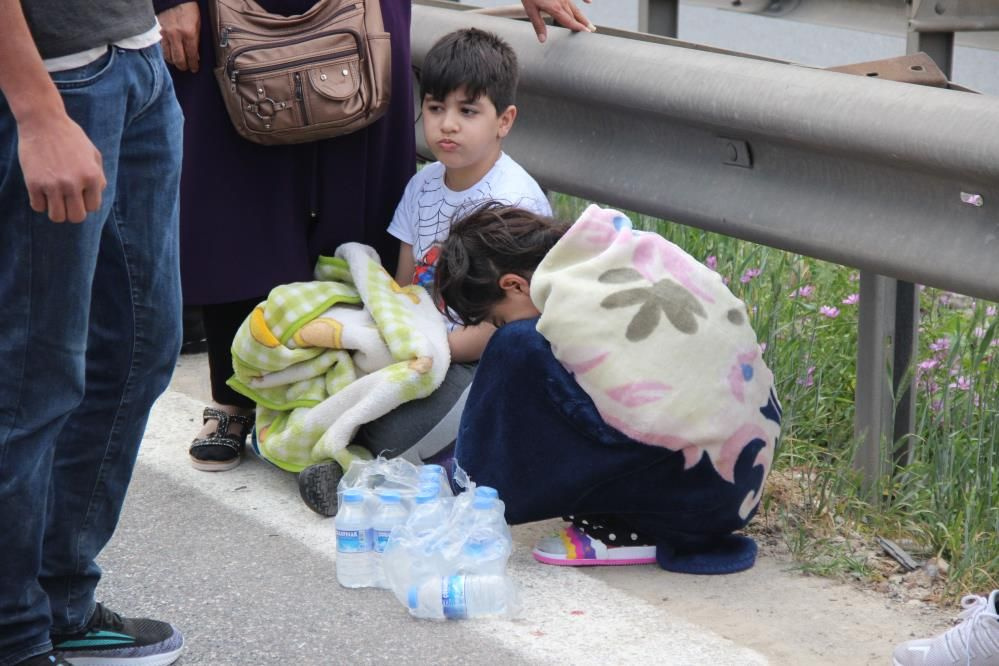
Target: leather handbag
[{"x": 311, "y": 76}]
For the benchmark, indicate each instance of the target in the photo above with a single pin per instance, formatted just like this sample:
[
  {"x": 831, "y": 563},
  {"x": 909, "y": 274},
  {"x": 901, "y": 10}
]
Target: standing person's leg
[
  {"x": 133, "y": 338},
  {"x": 228, "y": 421},
  {"x": 45, "y": 278}
]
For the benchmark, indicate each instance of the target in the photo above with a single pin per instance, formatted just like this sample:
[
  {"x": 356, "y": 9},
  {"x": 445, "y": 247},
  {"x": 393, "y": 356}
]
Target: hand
[
  {"x": 62, "y": 168},
  {"x": 181, "y": 29},
  {"x": 564, "y": 12}
]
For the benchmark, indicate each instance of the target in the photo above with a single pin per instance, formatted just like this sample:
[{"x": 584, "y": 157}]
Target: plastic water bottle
[
  {"x": 355, "y": 564},
  {"x": 488, "y": 544},
  {"x": 428, "y": 513},
  {"x": 460, "y": 597},
  {"x": 390, "y": 514},
  {"x": 435, "y": 474},
  {"x": 486, "y": 491}
]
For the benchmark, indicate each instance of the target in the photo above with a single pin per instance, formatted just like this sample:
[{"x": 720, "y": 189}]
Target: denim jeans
[{"x": 89, "y": 334}]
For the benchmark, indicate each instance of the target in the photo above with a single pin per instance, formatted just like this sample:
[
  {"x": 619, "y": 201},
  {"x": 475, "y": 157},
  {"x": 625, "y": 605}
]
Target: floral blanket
[{"x": 656, "y": 339}]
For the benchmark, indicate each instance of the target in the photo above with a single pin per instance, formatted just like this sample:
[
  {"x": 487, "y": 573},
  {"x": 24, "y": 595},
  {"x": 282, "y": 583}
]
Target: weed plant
[{"x": 942, "y": 499}]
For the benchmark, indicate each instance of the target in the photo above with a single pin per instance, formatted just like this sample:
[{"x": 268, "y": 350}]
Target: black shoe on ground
[
  {"x": 50, "y": 658},
  {"x": 317, "y": 486},
  {"x": 112, "y": 640}
]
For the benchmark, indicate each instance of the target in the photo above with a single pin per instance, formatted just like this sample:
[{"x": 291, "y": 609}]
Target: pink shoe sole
[{"x": 544, "y": 559}]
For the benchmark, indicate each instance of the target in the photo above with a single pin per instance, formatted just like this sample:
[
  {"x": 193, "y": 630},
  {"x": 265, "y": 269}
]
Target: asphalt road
[{"x": 247, "y": 572}]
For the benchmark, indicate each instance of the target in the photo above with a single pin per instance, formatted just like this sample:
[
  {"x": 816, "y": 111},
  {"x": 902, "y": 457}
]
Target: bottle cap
[
  {"x": 353, "y": 496},
  {"x": 389, "y": 496},
  {"x": 475, "y": 547},
  {"x": 413, "y": 597},
  {"x": 486, "y": 491},
  {"x": 483, "y": 503},
  {"x": 427, "y": 470},
  {"x": 426, "y": 495}
]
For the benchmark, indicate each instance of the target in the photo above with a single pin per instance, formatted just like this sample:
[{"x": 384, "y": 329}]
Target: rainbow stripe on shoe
[{"x": 572, "y": 548}]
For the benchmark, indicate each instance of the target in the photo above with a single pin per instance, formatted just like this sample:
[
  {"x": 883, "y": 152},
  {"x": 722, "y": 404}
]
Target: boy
[{"x": 468, "y": 84}]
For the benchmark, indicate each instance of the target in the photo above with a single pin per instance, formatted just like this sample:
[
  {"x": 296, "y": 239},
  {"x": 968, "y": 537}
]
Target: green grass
[{"x": 947, "y": 499}]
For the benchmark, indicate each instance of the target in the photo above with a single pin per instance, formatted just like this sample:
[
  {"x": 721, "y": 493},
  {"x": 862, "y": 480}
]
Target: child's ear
[
  {"x": 506, "y": 121},
  {"x": 511, "y": 282}
]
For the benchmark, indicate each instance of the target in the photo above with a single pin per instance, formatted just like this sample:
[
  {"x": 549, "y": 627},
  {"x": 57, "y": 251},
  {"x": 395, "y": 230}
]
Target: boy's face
[{"x": 465, "y": 135}]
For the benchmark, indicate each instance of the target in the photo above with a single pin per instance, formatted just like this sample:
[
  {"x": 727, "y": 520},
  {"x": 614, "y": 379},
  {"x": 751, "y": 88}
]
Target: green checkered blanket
[{"x": 322, "y": 358}]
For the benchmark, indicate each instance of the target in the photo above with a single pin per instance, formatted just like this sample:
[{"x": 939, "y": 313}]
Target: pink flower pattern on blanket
[
  {"x": 658, "y": 342},
  {"x": 638, "y": 393}
]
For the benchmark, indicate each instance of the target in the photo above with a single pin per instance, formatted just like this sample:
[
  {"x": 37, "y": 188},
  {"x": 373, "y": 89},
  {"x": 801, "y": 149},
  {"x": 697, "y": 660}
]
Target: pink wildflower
[
  {"x": 763, "y": 347},
  {"x": 829, "y": 311},
  {"x": 803, "y": 292},
  {"x": 808, "y": 379},
  {"x": 991, "y": 311},
  {"x": 712, "y": 262},
  {"x": 979, "y": 332},
  {"x": 852, "y": 299},
  {"x": 962, "y": 383},
  {"x": 749, "y": 275},
  {"x": 940, "y": 344},
  {"x": 936, "y": 406},
  {"x": 929, "y": 364}
]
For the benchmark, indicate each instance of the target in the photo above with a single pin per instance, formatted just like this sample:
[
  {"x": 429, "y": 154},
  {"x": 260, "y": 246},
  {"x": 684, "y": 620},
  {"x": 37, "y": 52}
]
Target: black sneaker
[
  {"x": 112, "y": 640},
  {"x": 50, "y": 658},
  {"x": 317, "y": 486}
]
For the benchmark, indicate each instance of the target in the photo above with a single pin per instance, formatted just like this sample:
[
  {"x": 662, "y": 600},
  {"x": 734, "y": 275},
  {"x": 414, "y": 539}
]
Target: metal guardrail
[{"x": 892, "y": 178}]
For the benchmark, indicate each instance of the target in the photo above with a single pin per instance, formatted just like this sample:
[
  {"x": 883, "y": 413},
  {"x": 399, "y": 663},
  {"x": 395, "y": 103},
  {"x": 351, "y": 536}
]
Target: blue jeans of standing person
[{"x": 89, "y": 333}]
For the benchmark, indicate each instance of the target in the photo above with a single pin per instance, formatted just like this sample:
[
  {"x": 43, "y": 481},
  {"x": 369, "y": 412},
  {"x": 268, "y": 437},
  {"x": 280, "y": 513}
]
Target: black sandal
[{"x": 221, "y": 450}]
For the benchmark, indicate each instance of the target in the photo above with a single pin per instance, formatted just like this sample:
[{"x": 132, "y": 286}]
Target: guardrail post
[
  {"x": 873, "y": 421},
  {"x": 940, "y": 47},
  {"x": 659, "y": 17}
]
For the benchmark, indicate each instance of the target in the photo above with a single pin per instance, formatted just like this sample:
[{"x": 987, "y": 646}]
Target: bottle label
[
  {"x": 353, "y": 541},
  {"x": 453, "y": 597},
  {"x": 381, "y": 540}
]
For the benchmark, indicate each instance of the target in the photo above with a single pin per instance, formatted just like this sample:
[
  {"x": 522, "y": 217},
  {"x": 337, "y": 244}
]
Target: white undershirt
[{"x": 81, "y": 58}]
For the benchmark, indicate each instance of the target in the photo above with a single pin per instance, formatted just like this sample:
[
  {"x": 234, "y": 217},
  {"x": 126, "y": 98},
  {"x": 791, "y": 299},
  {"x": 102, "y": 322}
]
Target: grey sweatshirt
[{"x": 62, "y": 27}]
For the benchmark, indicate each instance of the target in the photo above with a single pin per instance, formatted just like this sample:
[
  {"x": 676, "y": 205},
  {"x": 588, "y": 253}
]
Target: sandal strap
[
  {"x": 222, "y": 429},
  {"x": 229, "y": 441}
]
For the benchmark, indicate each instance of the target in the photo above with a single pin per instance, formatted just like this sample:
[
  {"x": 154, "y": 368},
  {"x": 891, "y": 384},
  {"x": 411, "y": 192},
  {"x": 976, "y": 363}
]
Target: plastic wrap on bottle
[
  {"x": 381, "y": 474},
  {"x": 471, "y": 538},
  {"x": 462, "y": 596}
]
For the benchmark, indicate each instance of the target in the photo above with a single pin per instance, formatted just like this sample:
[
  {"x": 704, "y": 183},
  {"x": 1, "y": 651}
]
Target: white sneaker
[{"x": 973, "y": 642}]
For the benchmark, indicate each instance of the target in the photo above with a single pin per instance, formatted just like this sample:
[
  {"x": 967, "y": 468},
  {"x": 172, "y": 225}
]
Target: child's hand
[{"x": 565, "y": 13}]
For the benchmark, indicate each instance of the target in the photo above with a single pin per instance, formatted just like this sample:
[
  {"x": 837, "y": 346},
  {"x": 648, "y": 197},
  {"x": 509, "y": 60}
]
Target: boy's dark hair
[
  {"x": 491, "y": 241},
  {"x": 480, "y": 61}
]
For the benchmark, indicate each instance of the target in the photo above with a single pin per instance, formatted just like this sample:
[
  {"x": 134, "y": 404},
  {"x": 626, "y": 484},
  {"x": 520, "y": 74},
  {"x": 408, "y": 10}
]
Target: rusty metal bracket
[{"x": 917, "y": 68}]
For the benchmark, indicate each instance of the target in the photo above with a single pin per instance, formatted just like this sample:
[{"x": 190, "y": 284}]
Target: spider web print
[{"x": 436, "y": 211}]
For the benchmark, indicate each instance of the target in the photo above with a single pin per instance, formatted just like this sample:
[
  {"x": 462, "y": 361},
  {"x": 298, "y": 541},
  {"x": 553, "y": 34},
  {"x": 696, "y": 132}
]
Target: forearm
[
  {"x": 25, "y": 83},
  {"x": 468, "y": 342}
]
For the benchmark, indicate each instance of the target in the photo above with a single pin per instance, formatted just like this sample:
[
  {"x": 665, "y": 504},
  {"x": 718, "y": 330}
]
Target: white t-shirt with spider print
[{"x": 429, "y": 208}]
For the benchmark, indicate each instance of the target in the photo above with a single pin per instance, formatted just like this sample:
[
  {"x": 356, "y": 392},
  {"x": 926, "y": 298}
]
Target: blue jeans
[{"x": 89, "y": 336}]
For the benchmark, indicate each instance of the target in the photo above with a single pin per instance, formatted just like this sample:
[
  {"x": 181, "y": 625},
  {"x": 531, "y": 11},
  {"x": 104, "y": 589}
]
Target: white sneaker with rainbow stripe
[{"x": 570, "y": 547}]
